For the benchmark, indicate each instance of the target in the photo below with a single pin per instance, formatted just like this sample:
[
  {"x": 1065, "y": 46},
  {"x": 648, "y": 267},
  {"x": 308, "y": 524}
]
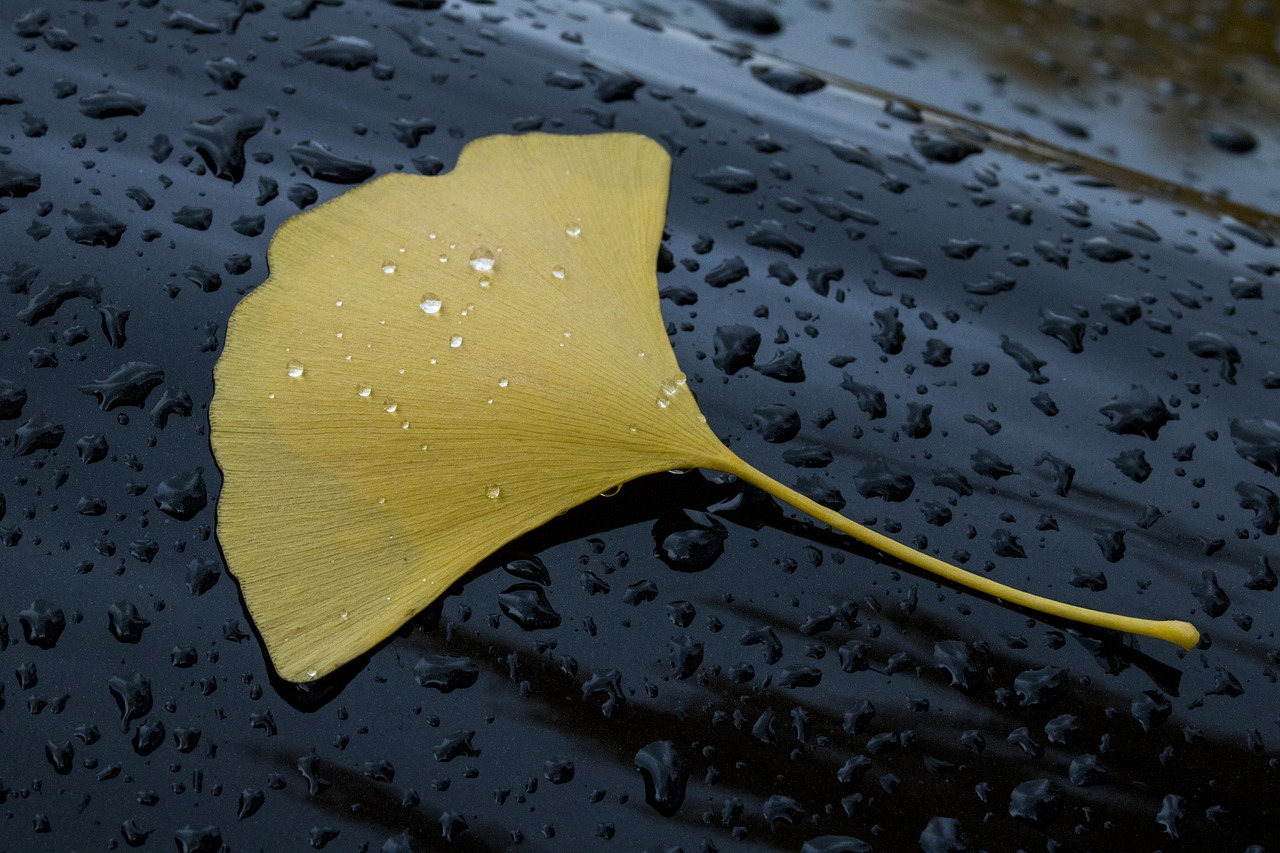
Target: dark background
[{"x": 812, "y": 693}]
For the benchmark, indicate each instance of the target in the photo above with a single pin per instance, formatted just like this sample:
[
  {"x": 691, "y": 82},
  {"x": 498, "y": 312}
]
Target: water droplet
[
  {"x": 389, "y": 268},
  {"x": 295, "y": 370},
  {"x": 610, "y": 492},
  {"x": 381, "y": 501},
  {"x": 503, "y": 383},
  {"x": 662, "y": 404},
  {"x": 271, "y": 396},
  {"x": 404, "y": 425},
  {"x": 484, "y": 282},
  {"x": 574, "y": 228},
  {"x": 343, "y": 615},
  {"x": 631, "y": 429},
  {"x": 389, "y": 406},
  {"x": 482, "y": 259},
  {"x": 558, "y": 271},
  {"x": 493, "y": 491},
  {"x": 311, "y": 673},
  {"x": 640, "y": 354},
  {"x": 430, "y": 303},
  {"x": 455, "y": 341},
  {"x": 338, "y": 304},
  {"x": 364, "y": 390},
  {"x": 444, "y": 259}
]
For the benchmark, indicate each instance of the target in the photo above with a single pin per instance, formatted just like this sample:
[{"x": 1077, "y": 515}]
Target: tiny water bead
[
  {"x": 295, "y": 370},
  {"x": 430, "y": 304},
  {"x": 482, "y": 259},
  {"x": 493, "y": 491},
  {"x": 389, "y": 268},
  {"x": 502, "y": 383},
  {"x": 455, "y": 341},
  {"x": 390, "y": 406},
  {"x": 364, "y": 390},
  {"x": 574, "y": 228},
  {"x": 558, "y": 272},
  {"x": 672, "y": 386}
]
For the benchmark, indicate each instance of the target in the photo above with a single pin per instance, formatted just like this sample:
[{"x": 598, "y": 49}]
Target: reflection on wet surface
[{"x": 1183, "y": 92}]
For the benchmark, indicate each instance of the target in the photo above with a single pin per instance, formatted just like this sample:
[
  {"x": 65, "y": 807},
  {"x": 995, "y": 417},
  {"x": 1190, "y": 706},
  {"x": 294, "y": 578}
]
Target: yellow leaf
[{"x": 438, "y": 365}]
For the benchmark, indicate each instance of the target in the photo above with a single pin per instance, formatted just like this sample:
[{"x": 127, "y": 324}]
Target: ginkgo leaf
[{"x": 438, "y": 365}]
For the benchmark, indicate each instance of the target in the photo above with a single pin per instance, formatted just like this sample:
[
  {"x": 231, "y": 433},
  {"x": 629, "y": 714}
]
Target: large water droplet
[
  {"x": 364, "y": 390},
  {"x": 295, "y": 370},
  {"x": 574, "y": 228},
  {"x": 455, "y": 341},
  {"x": 430, "y": 303},
  {"x": 666, "y": 776},
  {"x": 482, "y": 259}
]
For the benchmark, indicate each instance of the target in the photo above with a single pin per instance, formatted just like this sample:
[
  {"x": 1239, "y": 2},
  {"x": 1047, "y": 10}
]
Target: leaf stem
[{"x": 1179, "y": 633}]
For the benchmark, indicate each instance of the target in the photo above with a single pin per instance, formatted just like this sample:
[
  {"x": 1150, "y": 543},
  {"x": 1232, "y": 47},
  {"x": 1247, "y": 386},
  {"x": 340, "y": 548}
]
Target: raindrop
[
  {"x": 42, "y": 623},
  {"x": 527, "y": 605},
  {"x": 445, "y": 673},
  {"x": 482, "y": 259},
  {"x": 295, "y": 370},
  {"x": 390, "y": 406},
  {"x": 364, "y": 391},
  {"x": 558, "y": 272},
  {"x": 430, "y": 304},
  {"x": 455, "y": 341},
  {"x": 574, "y": 228},
  {"x": 389, "y": 269},
  {"x": 503, "y": 383},
  {"x": 666, "y": 775}
]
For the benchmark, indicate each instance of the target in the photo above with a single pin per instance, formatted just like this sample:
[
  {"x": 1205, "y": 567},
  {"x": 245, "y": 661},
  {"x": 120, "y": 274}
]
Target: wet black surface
[{"x": 965, "y": 341}]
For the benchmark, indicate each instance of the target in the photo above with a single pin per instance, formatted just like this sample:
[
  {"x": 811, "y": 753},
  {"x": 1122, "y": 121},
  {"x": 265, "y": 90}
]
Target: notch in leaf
[{"x": 438, "y": 365}]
